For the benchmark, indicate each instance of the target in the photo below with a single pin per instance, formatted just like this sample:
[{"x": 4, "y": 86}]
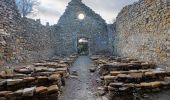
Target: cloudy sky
[{"x": 51, "y": 10}]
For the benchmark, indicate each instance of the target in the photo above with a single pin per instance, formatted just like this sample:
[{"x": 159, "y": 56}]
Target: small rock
[
  {"x": 42, "y": 78},
  {"x": 29, "y": 79},
  {"x": 40, "y": 89},
  {"x": 74, "y": 72},
  {"x": 92, "y": 70},
  {"x": 3, "y": 74},
  {"x": 14, "y": 81},
  {"x": 55, "y": 77},
  {"x": 104, "y": 98},
  {"x": 101, "y": 92},
  {"x": 72, "y": 76},
  {"x": 18, "y": 92},
  {"x": 98, "y": 80},
  {"x": 2, "y": 82},
  {"x": 53, "y": 89},
  {"x": 4, "y": 93},
  {"x": 28, "y": 91},
  {"x": 23, "y": 70}
]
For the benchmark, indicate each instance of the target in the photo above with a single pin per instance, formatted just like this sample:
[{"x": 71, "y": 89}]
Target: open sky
[{"x": 51, "y": 10}]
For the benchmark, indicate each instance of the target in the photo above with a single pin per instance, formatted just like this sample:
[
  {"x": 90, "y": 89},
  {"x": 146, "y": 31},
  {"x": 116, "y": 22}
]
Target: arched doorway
[{"x": 83, "y": 46}]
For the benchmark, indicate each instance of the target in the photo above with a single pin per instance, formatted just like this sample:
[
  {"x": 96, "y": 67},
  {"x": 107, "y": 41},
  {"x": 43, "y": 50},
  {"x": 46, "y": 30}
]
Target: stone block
[
  {"x": 55, "y": 77},
  {"x": 40, "y": 89},
  {"x": 14, "y": 81},
  {"x": 53, "y": 89},
  {"x": 29, "y": 91}
]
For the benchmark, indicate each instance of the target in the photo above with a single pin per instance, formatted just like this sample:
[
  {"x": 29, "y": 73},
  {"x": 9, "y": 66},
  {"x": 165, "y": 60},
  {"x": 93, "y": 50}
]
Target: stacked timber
[
  {"x": 39, "y": 81},
  {"x": 127, "y": 76}
]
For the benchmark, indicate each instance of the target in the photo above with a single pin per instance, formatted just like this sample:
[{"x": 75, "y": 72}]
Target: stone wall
[
  {"x": 24, "y": 40},
  {"x": 143, "y": 31},
  {"x": 40, "y": 40},
  {"x": 10, "y": 42},
  {"x": 92, "y": 27}
]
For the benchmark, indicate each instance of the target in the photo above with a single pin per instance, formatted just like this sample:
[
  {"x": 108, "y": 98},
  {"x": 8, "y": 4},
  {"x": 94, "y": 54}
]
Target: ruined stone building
[{"x": 141, "y": 30}]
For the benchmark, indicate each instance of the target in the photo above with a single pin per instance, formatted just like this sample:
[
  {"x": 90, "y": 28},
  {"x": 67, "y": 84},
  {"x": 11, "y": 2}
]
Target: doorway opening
[{"x": 83, "y": 46}]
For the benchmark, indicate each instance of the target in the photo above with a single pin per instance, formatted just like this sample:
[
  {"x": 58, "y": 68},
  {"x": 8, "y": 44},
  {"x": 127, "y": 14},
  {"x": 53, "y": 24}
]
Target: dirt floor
[{"x": 81, "y": 85}]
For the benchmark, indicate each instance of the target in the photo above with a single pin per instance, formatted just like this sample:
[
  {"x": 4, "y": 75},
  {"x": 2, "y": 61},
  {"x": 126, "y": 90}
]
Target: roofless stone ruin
[{"x": 129, "y": 58}]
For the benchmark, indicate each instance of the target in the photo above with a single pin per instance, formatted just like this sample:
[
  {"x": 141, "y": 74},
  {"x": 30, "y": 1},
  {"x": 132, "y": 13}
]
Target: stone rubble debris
[
  {"x": 123, "y": 76},
  {"x": 38, "y": 82}
]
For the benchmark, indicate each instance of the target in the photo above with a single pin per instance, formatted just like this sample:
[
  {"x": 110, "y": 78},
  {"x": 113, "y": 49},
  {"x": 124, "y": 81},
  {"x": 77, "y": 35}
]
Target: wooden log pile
[
  {"x": 39, "y": 81},
  {"x": 125, "y": 76}
]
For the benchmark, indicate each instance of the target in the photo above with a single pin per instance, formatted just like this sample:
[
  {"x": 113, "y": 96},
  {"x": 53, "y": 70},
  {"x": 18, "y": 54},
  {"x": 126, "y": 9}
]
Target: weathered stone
[
  {"x": 92, "y": 70},
  {"x": 55, "y": 77},
  {"x": 2, "y": 82},
  {"x": 4, "y": 93},
  {"x": 29, "y": 79},
  {"x": 23, "y": 70},
  {"x": 40, "y": 89},
  {"x": 14, "y": 81},
  {"x": 28, "y": 91},
  {"x": 167, "y": 79},
  {"x": 53, "y": 89},
  {"x": 18, "y": 93}
]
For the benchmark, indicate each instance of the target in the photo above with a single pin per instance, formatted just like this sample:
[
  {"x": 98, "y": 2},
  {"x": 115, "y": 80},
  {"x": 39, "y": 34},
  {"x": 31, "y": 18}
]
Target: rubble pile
[
  {"x": 126, "y": 76},
  {"x": 39, "y": 81}
]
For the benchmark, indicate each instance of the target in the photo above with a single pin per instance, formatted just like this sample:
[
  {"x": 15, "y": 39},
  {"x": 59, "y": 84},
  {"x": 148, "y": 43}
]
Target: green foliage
[{"x": 83, "y": 48}]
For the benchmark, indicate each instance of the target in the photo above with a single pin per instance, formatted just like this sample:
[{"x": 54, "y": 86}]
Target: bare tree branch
[{"x": 25, "y": 7}]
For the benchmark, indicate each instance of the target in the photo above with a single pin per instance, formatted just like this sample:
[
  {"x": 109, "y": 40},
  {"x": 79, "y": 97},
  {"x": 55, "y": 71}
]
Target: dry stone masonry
[
  {"x": 92, "y": 27},
  {"x": 143, "y": 31}
]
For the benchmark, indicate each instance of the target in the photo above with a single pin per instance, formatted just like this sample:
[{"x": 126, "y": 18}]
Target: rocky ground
[{"x": 86, "y": 78}]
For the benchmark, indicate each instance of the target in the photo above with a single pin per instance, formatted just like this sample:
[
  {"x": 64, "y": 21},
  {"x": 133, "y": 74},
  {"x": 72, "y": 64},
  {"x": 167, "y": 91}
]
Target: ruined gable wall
[
  {"x": 143, "y": 31},
  {"x": 93, "y": 27}
]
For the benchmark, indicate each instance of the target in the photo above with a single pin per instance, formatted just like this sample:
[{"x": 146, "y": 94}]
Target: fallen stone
[
  {"x": 2, "y": 82},
  {"x": 23, "y": 70},
  {"x": 167, "y": 79},
  {"x": 108, "y": 77},
  {"x": 118, "y": 84},
  {"x": 4, "y": 93},
  {"x": 40, "y": 89},
  {"x": 123, "y": 76},
  {"x": 40, "y": 69},
  {"x": 51, "y": 69},
  {"x": 123, "y": 88},
  {"x": 42, "y": 78},
  {"x": 92, "y": 70},
  {"x": 55, "y": 77},
  {"x": 115, "y": 73},
  {"x": 53, "y": 89},
  {"x": 29, "y": 79},
  {"x": 28, "y": 91},
  {"x": 14, "y": 81},
  {"x": 101, "y": 92},
  {"x": 3, "y": 74},
  {"x": 156, "y": 84},
  {"x": 136, "y": 75},
  {"x": 74, "y": 72},
  {"x": 104, "y": 98},
  {"x": 149, "y": 73},
  {"x": 18, "y": 92}
]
